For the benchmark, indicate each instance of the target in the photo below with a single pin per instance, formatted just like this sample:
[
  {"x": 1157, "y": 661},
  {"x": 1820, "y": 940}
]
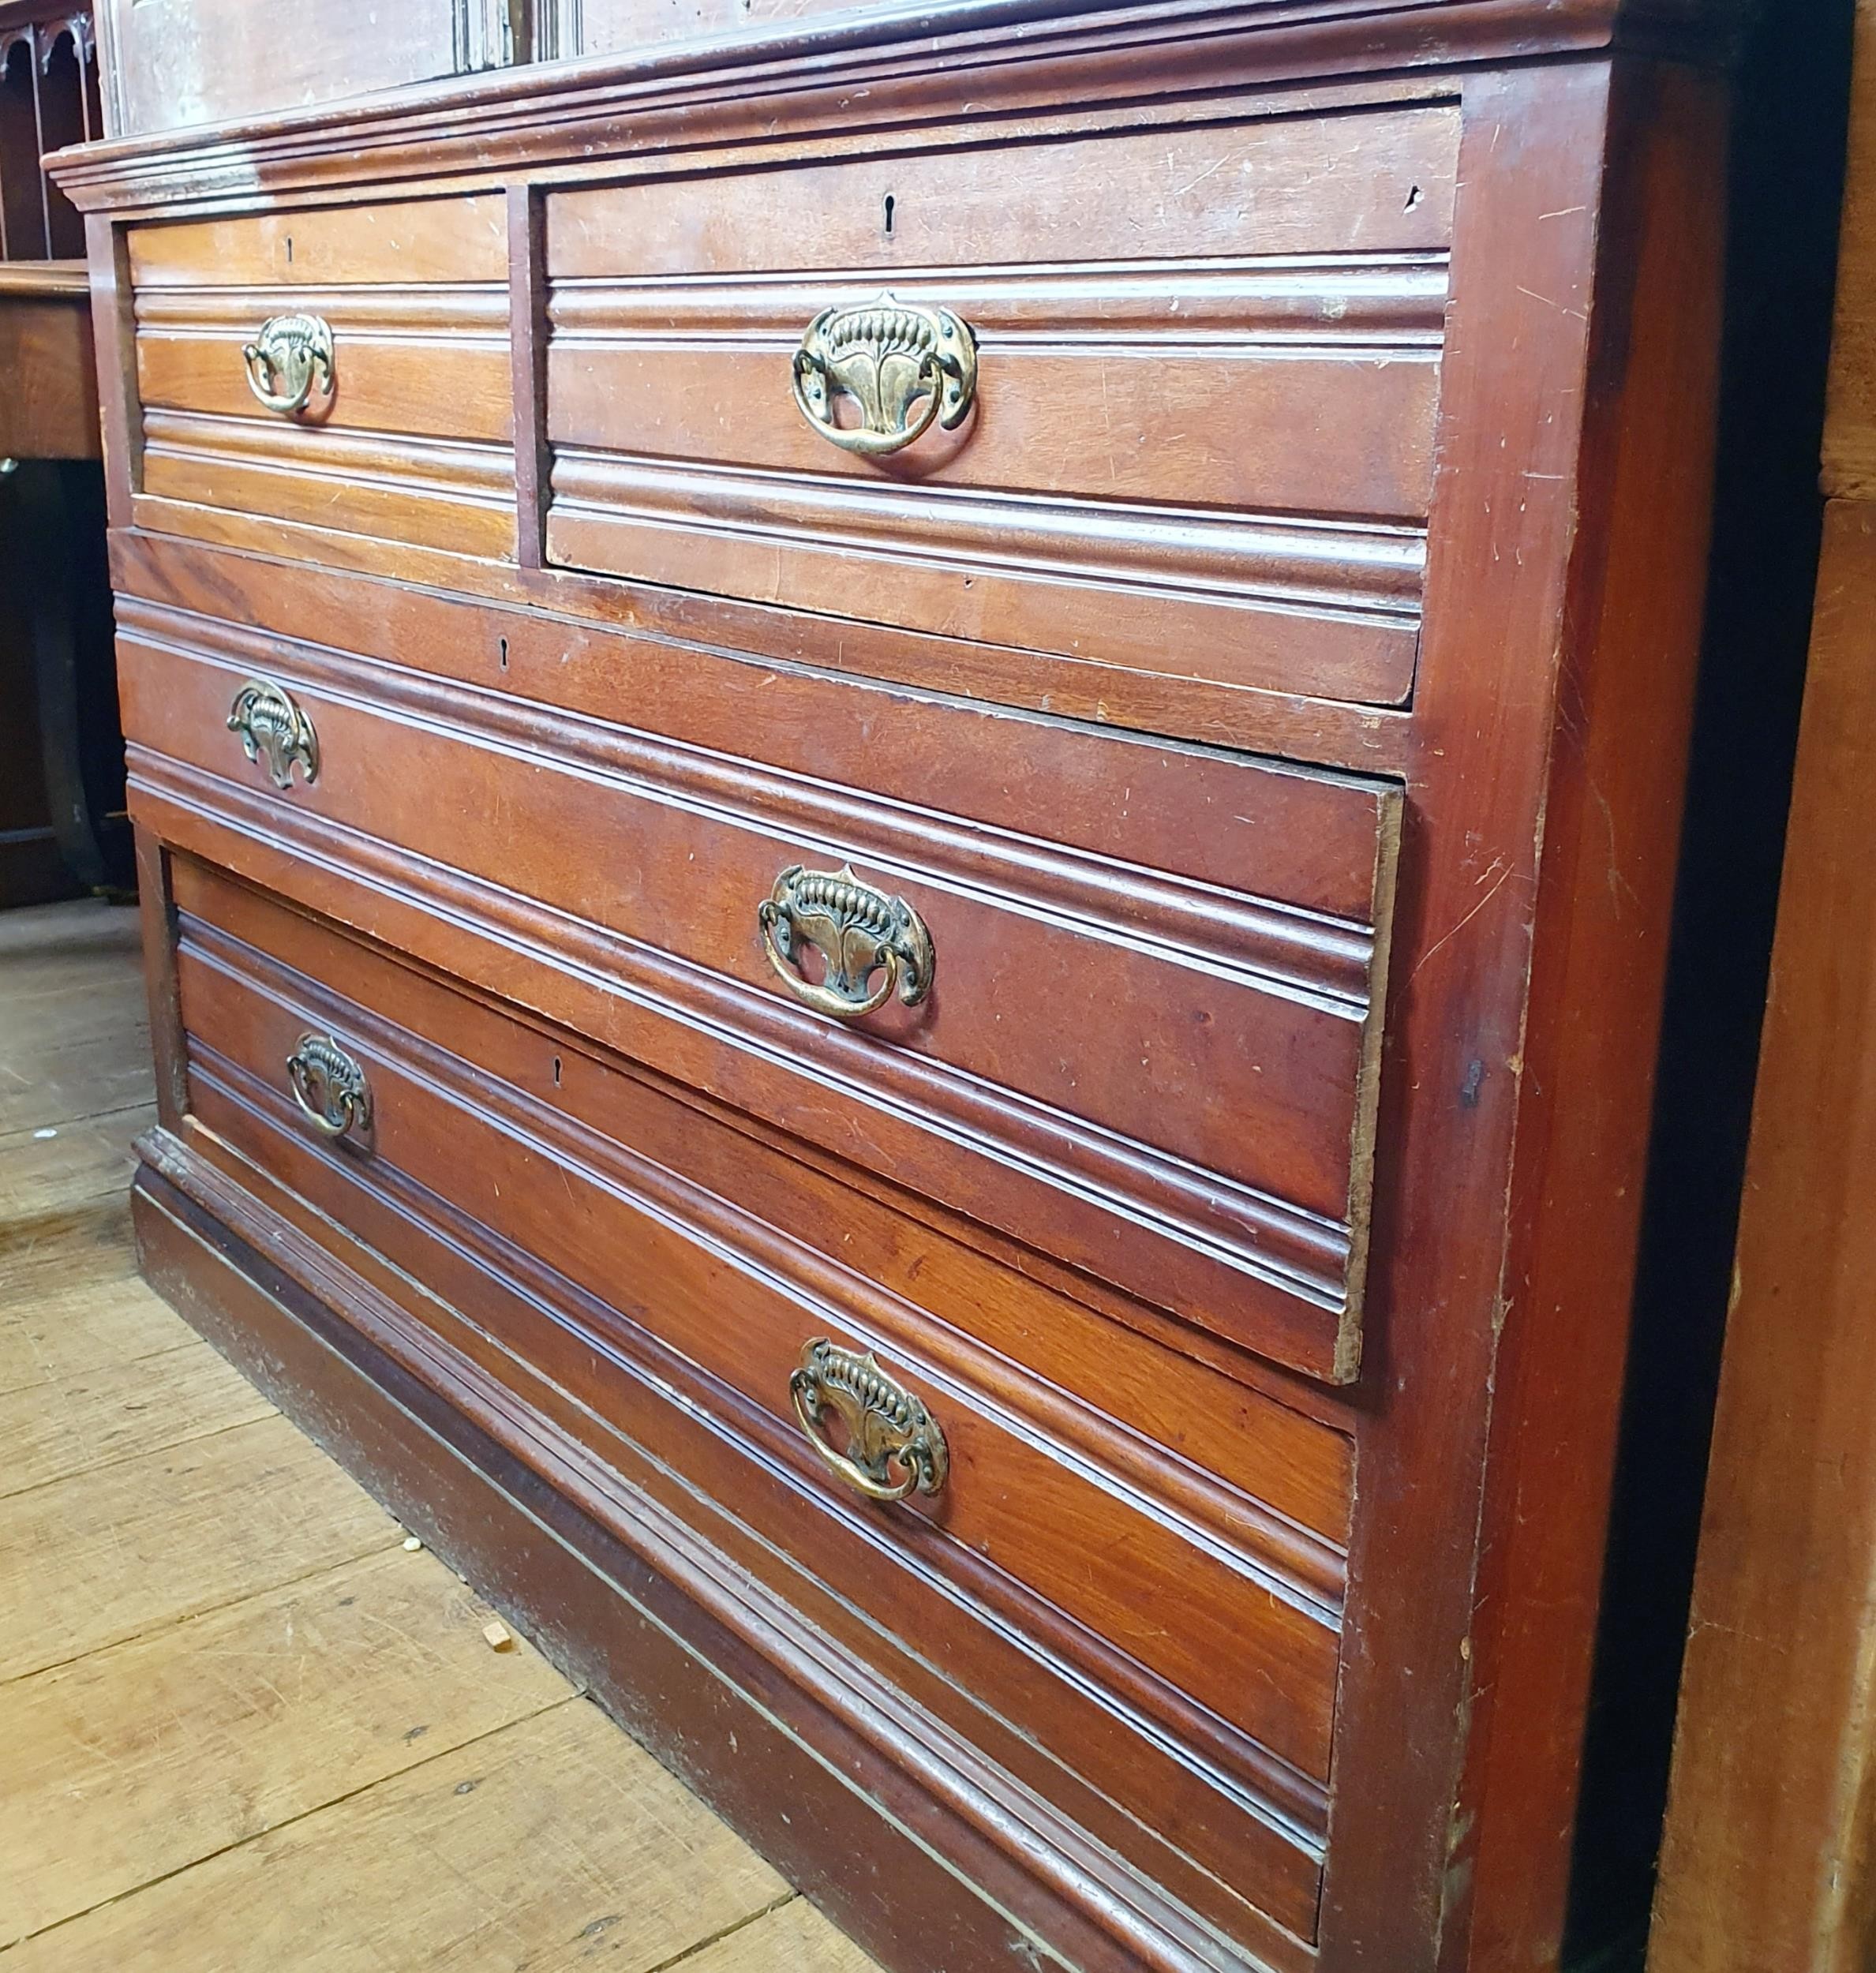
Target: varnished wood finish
[
  {"x": 49, "y": 410},
  {"x": 415, "y": 441},
  {"x": 49, "y": 98},
  {"x": 1225, "y": 1006},
  {"x": 1273, "y": 701},
  {"x": 1050, "y": 1525},
  {"x": 1148, "y": 354},
  {"x": 1601, "y": 928}
]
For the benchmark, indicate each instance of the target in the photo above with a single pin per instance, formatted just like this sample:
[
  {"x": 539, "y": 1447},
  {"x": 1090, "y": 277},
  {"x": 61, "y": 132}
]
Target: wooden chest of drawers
[{"x": 907, "y": 792}]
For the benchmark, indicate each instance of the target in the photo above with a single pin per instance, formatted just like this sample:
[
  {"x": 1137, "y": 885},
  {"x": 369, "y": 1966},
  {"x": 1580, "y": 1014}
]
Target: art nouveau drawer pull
[
  {"x": 904, "y": 367},
  {"x": 330, "y": 1087},
  {"x": 273, "y": 728},
  {"x": 291, "y": 353},
  {"x": 857, "y": 931},
  {"x": 894, "y": 1445}
]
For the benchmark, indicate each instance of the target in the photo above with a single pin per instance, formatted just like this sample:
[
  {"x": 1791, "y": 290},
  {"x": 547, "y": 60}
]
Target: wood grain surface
[
  {"x": 1341, "y": 461},
  {"x": 49, "y": 410}
]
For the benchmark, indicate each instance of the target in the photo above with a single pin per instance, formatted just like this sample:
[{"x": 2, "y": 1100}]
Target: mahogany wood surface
[
  {"x": 403, "y": 243},
  {"x": 1028, "y": 1543},
  {"x": 1303, "y": 419},
  {"x": 1850, "y": 424},
  {"x": 1230, "y": 1031},
  {"x": 679, "y": 1665},
  {"x": 49, "y": 408},
  {"x": 1274, "y": 700}
]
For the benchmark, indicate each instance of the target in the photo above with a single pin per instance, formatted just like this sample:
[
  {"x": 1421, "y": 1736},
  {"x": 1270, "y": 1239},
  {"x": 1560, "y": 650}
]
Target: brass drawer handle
[
  {"x": 857, "y": 931},
  {"x": 889, "y": 1431},
  {"x": 291, "y": 353},
  {"x": 330, "y": 1087},
  {"x": 272, "y": 725},
  {"x": 888, "y": 355}
]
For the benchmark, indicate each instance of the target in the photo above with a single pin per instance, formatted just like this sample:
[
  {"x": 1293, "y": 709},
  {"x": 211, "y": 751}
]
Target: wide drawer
[
  {"x": 587, "y": 1236},
  {"x": 394, "y": 320},
  {"x": 1196, "y": 436},
  {"x": 1147, "y": 1035}
]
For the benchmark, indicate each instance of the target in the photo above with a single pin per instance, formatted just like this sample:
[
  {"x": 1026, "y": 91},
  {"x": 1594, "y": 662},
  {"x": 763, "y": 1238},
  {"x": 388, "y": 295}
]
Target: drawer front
[
  {"x": 1198, "y": 434},
  {"x": 1162, "y": 1073},
  {"x": 1034, "y": 1573},
  {"x": 406, "y": 430}
]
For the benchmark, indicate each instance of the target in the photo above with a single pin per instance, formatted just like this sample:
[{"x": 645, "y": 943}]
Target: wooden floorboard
[
  {"x": 107, "y": 1555},
  {"x": 82, "y": 1163},
  {"x": 793, "y": 1939},
  {"x": 244, "y": 1727},
  {"x": 56, "y": 1431},
  {"x": 137, "y": 1761},
  {"x": 550, "y": 1843},
  {"x": 70, "y": 1301}
]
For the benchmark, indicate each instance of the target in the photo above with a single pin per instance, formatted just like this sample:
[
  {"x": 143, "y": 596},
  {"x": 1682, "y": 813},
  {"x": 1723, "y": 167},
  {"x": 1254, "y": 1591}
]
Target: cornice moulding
[{"x": 963, "y": 58}]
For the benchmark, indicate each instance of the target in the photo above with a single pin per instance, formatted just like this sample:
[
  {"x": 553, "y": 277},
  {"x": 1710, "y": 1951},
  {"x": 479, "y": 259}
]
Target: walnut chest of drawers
[{"x": 907, "y": 788}]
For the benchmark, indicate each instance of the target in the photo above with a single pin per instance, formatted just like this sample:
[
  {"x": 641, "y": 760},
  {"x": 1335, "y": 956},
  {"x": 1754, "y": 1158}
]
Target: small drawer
[
  {"x": 1119, "y": 999},
  {"x": 600, "y": 1235},
  {"x": 1163, "y": 402},
  {"x": 344, "y": 368}
]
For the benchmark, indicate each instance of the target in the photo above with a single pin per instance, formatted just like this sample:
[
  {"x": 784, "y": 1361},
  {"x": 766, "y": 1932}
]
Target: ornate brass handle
[
  {"x": 894, "y": 1445},
  {"x": 291, "y": 353},
  {"x": 330, "y": 1087},
  {"x": 889, "y": 357},
  {"x": 857, "y": 931},
  {"x": 272, "y": 725}
]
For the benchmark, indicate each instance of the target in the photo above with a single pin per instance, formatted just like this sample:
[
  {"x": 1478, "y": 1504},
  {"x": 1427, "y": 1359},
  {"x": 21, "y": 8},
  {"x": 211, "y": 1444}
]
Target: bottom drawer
[{"x": 1116, "y": 1573}]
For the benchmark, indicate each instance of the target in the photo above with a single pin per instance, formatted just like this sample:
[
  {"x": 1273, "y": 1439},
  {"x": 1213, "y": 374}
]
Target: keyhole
[
  {"x": 556, "y": 1072},
  {"x": 505, "y": 653},
  {"x": 290, "y": 249},
  {"x": 890, "y": 202}
]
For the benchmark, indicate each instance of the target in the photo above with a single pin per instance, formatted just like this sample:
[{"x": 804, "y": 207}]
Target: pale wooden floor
[{"x": 242, "y": 1728}]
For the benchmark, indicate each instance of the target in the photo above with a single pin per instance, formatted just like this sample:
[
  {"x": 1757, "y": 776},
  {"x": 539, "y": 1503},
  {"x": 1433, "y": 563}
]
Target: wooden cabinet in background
[
  {"x": 907, "y": 792},
  {"x": 61, "y": 775}
]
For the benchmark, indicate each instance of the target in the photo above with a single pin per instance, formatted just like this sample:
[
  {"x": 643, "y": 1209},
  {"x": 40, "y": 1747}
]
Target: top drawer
[
  {"x": 405, "y": 428},
  {"x": 1190, "y": 378}
]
